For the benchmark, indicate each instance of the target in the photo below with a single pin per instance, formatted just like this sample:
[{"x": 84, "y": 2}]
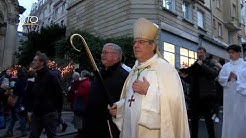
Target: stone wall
[
  {"x": 9, "y": 14},
  {"x": 109, "y": 18}
]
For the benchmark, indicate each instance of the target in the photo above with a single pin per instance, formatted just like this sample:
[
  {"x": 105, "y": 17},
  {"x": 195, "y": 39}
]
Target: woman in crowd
[
  {"x": 80, "y": 101},
  {"x": 18, "y": 110}
]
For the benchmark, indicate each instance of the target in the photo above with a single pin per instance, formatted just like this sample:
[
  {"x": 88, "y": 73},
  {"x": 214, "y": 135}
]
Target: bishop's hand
[
  {"x": 141, "y": 87},
  {"x": 112, "y": 109}
]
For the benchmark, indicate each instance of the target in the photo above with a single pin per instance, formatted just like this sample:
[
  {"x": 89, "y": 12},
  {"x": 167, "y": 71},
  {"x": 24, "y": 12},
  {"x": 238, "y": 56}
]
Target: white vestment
[
  {"x": 161, "y": 113},
  {"x": 234, "y": 102},
  {"x": 241, "y": 81}
]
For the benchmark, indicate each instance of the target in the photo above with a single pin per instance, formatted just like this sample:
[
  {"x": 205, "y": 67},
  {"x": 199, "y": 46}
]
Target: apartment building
[
  {"x": 9, "y": 14},
  {"x": 243, "y": 14},
  {"x": 228, "y": 26},
  {"x": 47, "y": 12},
  {"x": 184, "y": 24}
]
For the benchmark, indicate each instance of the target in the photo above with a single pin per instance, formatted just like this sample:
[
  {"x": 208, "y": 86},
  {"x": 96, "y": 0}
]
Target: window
[
  {"x": 187, "y": 57},
  {"x": 218, "y": 4},
  {"x": 169, "y": 53},
  {"x": 169, "y": 4},
  {"x": 200, "y": 19},
  {"x": 1, "y": 19},
  {"x": 234, "y": 9},
  {"x": 45, "y": 12},
  {"x": 40, "y": 3},
  {"x": 55, "y": 13},
  {"x": 229, "y": 37},
  {"x": 48, "y": 21},
  {"x": 63, "y": 7},
  {"x": 239, "y": 40},
  {"x": 219, "y": 29},
  {"x": 214, "y": 23},
  {"x": 43, "y": 15},
  {"x": 187, "y": 10},
  {"x": 62, "y": 22},
  {"x": 50, "y": 7}
]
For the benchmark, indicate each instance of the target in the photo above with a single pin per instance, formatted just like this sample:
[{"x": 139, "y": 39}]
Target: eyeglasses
[
  {"x": 141, "y": 41},
  {"x": 107, "y": 52}
]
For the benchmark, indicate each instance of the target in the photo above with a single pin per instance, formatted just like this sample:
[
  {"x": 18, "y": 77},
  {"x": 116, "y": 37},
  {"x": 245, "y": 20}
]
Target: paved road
[
  {"x": 217, "y": 127},
  {"x": 69, "y": 133}
]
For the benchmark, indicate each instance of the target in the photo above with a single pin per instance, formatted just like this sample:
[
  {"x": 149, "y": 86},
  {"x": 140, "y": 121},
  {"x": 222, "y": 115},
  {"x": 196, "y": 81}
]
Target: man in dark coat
[
  {"x": 98, "y": 121},
  {"x": 201, "y": 76},
  {"x": 45, "y": 97}
]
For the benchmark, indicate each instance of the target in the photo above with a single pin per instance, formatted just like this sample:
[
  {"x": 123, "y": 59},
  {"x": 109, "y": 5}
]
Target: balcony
[{"x": 231, "y": 25}]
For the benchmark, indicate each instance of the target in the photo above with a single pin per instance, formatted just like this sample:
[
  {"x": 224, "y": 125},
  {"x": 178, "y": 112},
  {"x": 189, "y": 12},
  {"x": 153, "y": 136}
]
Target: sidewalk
[{"x": 67, "y": 116}]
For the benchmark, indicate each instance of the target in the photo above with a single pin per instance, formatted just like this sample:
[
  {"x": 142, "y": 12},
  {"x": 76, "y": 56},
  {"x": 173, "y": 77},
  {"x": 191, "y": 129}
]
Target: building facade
[
  {"x": 9, "y": 15},
  {"x": 47, "y": 12},
  {"x": 184, "y": 24},
  {"x": 243, "y": 14}
]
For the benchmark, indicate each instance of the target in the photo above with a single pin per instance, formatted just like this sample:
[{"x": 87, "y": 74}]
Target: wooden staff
[
  {"x": 93, "y": 64},
  {"x": 95, "y": 69}
]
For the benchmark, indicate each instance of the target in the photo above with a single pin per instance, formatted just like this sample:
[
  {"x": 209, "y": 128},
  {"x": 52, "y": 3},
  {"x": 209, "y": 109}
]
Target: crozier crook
[{"x": 93, "y": 64}]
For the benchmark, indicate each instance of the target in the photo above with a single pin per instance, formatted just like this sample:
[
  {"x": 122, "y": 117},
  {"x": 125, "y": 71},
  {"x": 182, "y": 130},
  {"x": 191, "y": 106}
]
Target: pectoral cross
[
  {"x": 131, "y": 100},
  {"x": 139, "y": 71}
]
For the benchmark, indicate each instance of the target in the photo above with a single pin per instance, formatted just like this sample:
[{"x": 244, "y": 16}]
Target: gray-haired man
[{"x": 97, "y": 118}]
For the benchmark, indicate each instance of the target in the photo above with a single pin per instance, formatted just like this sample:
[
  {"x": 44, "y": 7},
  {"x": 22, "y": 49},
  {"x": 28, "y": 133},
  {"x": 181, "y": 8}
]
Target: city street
[
  {"x": 203, "y": 130},
  {"x": 69, "y": 133}
]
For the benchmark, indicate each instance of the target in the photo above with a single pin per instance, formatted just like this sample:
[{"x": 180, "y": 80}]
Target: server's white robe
[
  {"x": 234, "y": 100},
  {"x": 161, "y": 113}
]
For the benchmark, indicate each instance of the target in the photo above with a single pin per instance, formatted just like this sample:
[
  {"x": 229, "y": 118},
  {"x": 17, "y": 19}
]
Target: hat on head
[{"x": 145, "y": 29}]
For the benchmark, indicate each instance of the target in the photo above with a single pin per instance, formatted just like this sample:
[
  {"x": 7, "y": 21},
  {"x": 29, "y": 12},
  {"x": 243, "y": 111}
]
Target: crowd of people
[
  {"x": 35, "y": 98},
  {"x": 150, "y": 100}
]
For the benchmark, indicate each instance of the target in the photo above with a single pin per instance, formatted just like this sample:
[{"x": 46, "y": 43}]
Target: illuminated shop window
[
  {"x": 187, "y": 57},
  {"x": 169, "y": 53}
]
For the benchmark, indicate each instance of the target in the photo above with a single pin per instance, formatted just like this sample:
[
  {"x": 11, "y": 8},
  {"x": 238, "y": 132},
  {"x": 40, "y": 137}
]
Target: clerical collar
[
  {"x": 146, "y": 63},
  {"x": 234, "y": 62}
]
